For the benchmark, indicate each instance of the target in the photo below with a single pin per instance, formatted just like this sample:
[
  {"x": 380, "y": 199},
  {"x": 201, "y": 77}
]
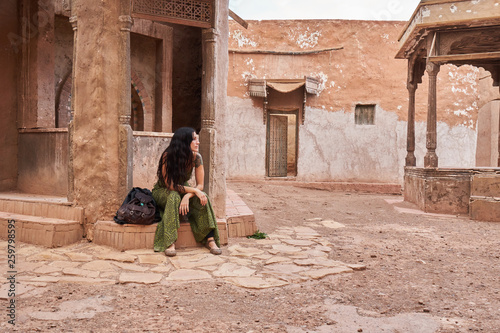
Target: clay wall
[
  {"x": 43, "y": 161},
  {"x": 8, "y": 95},
  {"x": 364, "y": 71}
]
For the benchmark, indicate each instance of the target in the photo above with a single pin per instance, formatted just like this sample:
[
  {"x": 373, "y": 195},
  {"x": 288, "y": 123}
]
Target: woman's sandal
[
  {"x": 170, "y": 252},
  {"x": 213, "y": 250}
]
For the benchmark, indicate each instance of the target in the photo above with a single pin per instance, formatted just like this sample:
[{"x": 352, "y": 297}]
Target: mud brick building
[
  {"x": 326, "y": 101},
  {"x": 92, "y": 91}
]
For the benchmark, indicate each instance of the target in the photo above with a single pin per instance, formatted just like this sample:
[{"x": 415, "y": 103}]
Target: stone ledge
[{"x": 485, "y": 209}]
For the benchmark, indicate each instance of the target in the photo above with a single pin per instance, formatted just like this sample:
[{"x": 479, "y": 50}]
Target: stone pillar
[
  {"x": 101, "y": 139},
  {"x": 213, "y": 106},
  {"x": 431, "y": 159},
  {"x": 410, "y": 142},
  {"x": 37, "y": 98}
]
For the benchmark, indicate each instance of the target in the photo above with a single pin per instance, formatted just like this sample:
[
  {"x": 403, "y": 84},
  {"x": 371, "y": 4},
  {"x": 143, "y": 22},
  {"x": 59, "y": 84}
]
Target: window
[{"x": 364, "y": 114}]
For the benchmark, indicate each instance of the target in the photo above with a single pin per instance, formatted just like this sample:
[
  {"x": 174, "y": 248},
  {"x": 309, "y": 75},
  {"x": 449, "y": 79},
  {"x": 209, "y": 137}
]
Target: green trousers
[{"x": 201, "y": 218}]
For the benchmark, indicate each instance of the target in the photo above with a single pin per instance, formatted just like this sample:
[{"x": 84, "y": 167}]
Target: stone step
[
  {"x": 240, "y": 218},
  {"x": 46, "y": 231},
  {"x": 58, "y": 209},
  {"x": 132, "y": 236},
  {"x": 484, "y": 208},
  {"x": 485, "y": 185}
]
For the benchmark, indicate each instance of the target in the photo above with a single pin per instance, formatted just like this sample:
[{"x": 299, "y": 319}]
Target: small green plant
[{"x": 258, "y": 235}]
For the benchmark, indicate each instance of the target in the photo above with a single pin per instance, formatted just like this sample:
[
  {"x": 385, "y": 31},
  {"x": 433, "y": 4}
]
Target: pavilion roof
[{"x": 442, "y": 15}]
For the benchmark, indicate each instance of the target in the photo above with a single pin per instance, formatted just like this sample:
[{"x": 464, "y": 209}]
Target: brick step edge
[
  {"x": 40, "y": 231},
  {"x": 43, "y": 209},
  {"x": 132, "y": 236}
]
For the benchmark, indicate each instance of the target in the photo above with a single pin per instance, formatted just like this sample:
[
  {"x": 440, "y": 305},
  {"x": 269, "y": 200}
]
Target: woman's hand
[
  {"x": 202, "y": 197},
  {"x": 184, "y": 207}
]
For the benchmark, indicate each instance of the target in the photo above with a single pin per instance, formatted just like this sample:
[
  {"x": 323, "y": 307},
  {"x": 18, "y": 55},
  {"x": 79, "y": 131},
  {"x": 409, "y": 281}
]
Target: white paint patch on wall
[
  {"x": 308, "y": 39},
  {"x": 323, "y": 79},
  {"x": 245, "y": 139},
  {"x": 241, "y": 39}
]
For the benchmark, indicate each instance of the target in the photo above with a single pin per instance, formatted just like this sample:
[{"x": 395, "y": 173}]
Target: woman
[{"x": 174, "y": 196}]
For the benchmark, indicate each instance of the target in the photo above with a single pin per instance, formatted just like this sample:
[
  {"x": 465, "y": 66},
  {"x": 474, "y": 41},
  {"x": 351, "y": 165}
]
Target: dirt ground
[{"x": 435, "y": 273}]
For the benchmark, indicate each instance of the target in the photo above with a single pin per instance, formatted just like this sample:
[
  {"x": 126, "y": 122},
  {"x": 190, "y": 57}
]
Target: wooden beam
[
  {"x": 238, "y": 19},
  {"x": 285, "y": 52},
  {"x": 462, "y": 57}
]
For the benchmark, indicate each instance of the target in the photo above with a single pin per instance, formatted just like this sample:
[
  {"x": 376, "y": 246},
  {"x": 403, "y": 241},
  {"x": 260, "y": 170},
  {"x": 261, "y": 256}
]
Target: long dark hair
[{"x": 176, "y": 159}]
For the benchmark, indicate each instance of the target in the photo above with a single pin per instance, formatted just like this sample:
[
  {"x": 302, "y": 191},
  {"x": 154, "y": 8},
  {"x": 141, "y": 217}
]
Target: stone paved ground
[
  {"x": 333, "y": 262},
  {"x": 291, "y": 255}
]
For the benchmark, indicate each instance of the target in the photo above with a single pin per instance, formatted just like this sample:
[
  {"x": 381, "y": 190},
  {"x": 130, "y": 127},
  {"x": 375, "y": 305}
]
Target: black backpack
[{"x": 139, "y": 207}]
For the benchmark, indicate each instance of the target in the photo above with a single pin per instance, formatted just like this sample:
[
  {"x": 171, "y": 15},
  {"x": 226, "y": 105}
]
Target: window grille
[{"x": 189, "y": 12}]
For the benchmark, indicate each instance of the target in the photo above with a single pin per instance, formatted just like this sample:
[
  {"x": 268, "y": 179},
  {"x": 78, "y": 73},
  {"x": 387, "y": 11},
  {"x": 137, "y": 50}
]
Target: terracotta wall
[
  {"x": 8, "y": 94},
  {"x": 363, "y": 71}
]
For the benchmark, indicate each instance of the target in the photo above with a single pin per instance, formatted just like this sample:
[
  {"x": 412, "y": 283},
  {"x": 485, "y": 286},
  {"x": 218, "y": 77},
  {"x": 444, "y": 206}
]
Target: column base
[
  {"x": 431, "y": 160},
  {"x": 411, "y": 160}
]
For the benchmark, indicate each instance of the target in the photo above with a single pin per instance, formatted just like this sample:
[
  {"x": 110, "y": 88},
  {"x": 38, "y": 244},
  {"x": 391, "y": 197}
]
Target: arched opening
[{"x": 137, "y": 111}]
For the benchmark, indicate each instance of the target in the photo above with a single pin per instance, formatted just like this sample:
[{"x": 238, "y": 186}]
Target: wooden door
[{"x": 277, "y": 143}]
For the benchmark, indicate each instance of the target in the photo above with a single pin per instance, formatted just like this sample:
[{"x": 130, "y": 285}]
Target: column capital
[
  {"x": 208, "y": 123},
  {"x": 210, "y": 35},
  {"x": 432, "y": 68},
  {"x": 126, "y": 22},
  {"x": 124, "y": 120},
  {"x": 74, "y": 22},
  {"x": 411, "y": 86}
]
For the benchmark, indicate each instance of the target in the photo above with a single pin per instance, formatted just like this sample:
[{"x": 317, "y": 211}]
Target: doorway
[{"x": 282, "y": 143}]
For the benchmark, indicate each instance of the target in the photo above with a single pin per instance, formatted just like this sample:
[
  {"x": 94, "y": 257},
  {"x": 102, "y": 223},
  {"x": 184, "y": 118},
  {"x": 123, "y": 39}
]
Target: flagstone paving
[{"x": 290, "y": 255}]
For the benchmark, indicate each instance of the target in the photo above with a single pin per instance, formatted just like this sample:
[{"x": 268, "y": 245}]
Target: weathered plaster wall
[
  {"x": 8, "y": 96},
  {"x": 245, "y": 138},
  {"x": 364, "y": 71},
  {"x": 147, "y": 151},
  {"x": 43, "y": 162},
  {"x": 332, "y": 147}
]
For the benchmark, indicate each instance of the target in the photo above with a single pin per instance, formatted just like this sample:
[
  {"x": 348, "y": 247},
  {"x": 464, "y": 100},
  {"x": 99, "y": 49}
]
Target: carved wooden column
[
  {"x": 71, "y": 176},
  {"x": 125, "y": 137},
  {"x": 431, "y": 159},
  {"x": 410, "y": 141},
  {"x": 214, "y": 105},
  {"x": 208, "y": 105}
]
